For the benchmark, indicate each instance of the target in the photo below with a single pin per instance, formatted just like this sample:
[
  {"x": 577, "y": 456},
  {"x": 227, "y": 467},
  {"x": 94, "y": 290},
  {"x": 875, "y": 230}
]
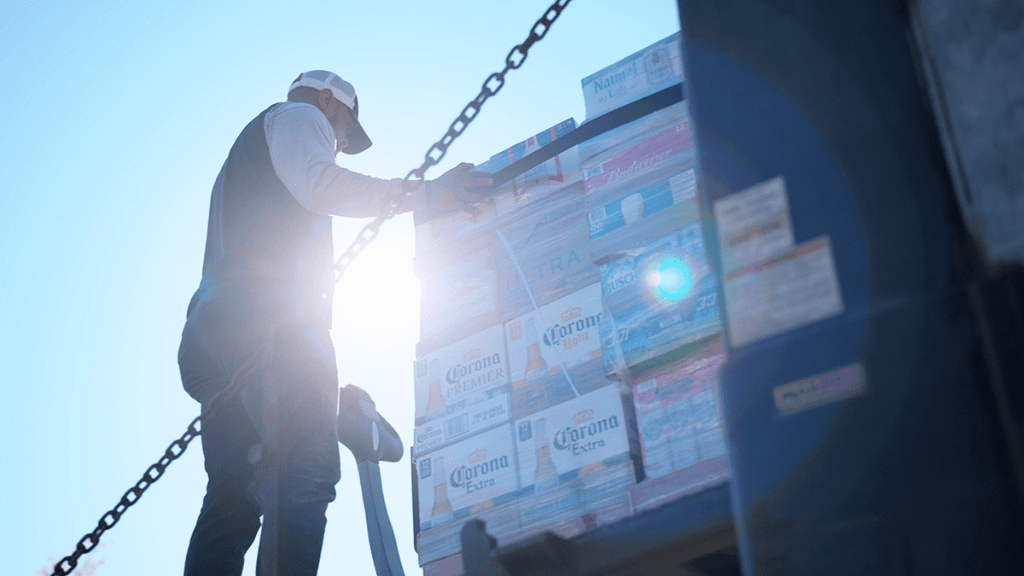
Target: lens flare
[{"x": 670, "y": 279}]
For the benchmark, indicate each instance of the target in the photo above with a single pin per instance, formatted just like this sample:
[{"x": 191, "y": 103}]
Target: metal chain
[
  {"x": 437, "y": 151},
  {"x": 490, "y": 87}
]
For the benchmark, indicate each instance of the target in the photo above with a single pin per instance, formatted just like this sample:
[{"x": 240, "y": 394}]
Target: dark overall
[{"x": 262, "y": 316}]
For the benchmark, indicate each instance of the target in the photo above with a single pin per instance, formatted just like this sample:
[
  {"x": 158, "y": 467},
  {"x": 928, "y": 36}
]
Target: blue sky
[{"x": 115, "y": 118}]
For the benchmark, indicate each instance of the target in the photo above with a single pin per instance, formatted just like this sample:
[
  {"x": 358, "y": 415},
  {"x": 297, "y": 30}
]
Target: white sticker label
[
  {"x": 684, "y": 186},
  {"x": 796, "y": 289},
  {"x": 754, "y": 224},
  {"x": 840, "y": 384}
]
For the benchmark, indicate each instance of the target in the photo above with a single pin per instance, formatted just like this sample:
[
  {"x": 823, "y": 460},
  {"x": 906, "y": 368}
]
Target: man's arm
[{"x": 301, "y": 143}]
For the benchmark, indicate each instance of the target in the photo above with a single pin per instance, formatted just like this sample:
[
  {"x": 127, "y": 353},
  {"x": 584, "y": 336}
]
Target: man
[{"x": 261, "y": 319}]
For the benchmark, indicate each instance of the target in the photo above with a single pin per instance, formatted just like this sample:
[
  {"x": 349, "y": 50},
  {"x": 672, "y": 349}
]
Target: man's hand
[{"x": 452, "y": 190}]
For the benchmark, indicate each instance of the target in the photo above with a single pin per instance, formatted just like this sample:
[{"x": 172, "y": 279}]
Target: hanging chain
[{"x": 490, "y": 87}]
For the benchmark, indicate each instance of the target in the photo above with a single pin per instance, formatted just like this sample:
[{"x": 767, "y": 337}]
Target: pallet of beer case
[{"x": 560, "y": 469}]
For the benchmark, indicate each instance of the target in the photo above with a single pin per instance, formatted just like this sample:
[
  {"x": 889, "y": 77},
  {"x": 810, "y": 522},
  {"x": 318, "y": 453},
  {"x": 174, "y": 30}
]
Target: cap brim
[{"x": 357, "y": 140}]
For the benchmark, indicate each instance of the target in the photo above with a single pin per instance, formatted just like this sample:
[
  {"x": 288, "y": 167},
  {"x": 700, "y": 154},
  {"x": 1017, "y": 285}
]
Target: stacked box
[
  {"x": 650, "y": 70},
  {"x": 545, "y": 253}
]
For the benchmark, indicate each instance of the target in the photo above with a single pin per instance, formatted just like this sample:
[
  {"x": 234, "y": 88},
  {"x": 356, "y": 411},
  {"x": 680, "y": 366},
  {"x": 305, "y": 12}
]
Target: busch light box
[
  {"x": 458, "y": 293},
  {"x": 634, "y": 165},
  {"x": 539, "y": 181},
  {"x": 443, "y": 231},
  {"x": 555, "y": 443},
  {"x": 679, "y": 416},
  {"x": 633, "y": 216},
  {"x": 650, "y": 70},
  {"x": 660, "y": 300},
  {"x": 544, "y": 252},
  {"x": 475, "y": 474},
  {"x": 553, "y": 350},
  {"x": 450, "y": 380}
]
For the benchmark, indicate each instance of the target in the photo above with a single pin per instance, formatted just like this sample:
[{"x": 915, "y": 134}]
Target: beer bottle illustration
[
  {"x": 546, "y": 475},
  {"x": 442, "y": 510},
  {"x": 435, "y": 400},
  {"x": 536, "y": 366}
]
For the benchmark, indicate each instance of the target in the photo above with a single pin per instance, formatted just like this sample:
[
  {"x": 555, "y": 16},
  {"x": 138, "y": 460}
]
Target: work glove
[{"x": 460, "y": 188}]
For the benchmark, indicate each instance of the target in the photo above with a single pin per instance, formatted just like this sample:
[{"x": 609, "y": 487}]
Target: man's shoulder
[{"x": 293, "y": 110}]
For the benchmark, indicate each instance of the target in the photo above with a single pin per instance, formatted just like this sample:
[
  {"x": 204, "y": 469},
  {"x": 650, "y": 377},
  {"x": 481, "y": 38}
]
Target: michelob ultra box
[
  {"x": 563, "y": 443},
  {"x": 679, "y": 415},
  {"x": 555, "y": 351},
  {"x": 476, "y": 474},
  {"x": 539, "y": 181},
  {"x": 458, "y": 293},
  {"x": 451, "y": 381},
  {"x": 634, "y": 165},
  {"x": 544, "y": 252},
  {"x": 631, "y": 217},
  {"x": 650, "y": 70}
]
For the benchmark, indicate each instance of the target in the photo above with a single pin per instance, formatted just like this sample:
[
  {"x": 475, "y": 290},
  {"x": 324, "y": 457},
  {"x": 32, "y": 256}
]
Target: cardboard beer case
[
  {"x": 451, "y": 380},
  {"x": 642, "y": 73},
  {"x": 537, "y": 182},
  {"x": 544, "y": 252},
  {"x": 555, "y": 351},
  {"x": 626, "y": 135},
  {"x": 634, "y": 164}
]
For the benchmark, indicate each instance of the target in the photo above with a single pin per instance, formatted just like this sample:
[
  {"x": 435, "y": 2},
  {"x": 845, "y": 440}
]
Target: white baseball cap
[{"x": 346, "y": 93}]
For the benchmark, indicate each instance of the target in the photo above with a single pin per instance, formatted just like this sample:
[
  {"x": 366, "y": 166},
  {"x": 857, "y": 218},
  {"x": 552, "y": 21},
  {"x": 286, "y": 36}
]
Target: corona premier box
[
  {"x": 627, "y": 218},
  {"x": 678, "y": 412},
  {"x": 555, "y": 351},
  {"x": 650, "y": 70},
  {"x": 544, "y": 252},
  {"x": 451, "y": 380},
  {"x": 458, "y": 295},
  {"x": 476, "y": 474},
  {"x": 487, "y": 412},
  {"x": 539, "y": 181}
]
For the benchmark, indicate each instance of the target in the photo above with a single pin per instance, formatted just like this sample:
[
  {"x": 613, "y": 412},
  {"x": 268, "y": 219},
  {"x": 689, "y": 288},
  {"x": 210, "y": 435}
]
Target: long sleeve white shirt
[{"x": 301, "y": 143}]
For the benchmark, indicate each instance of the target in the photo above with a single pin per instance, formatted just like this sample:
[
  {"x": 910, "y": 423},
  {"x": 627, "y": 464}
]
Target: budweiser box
[
  {"x": 635, "y": 163},
  {"x": 586, "y": 435},
  {"x": 471, "y": 476},
  {"x": 536, "y": 182},
  {"x": 545, "y": 252},
  {"x": 626, "y": 135},
  {"x": 650, "y": 70},
  {"x": 451, "y": 381},
  {"x": 627, "y": 218},
  {"x": 555, "y": 351},
  {"x": 458, "y": 293},
  {"x": 678, "y": 412}
]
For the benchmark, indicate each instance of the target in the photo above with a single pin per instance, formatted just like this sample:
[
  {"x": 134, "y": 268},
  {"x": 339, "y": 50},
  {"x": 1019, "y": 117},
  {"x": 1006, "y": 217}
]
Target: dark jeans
[{"x": 271, "y": 450}]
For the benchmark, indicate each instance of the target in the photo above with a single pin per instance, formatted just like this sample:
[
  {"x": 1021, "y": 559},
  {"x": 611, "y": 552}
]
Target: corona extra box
[
  {"x": 539, "y": 181},
  {"x": 544, "y": 252},
  {"x": 629, "y": 217},
  {"x": 678, "y": 412},
  {"x": 576, "y": 456},
  {"x": 555, "y": 351},
  {"x": 650, "y": 70},
  {"x": 458, "y": 295},
  {"x": 660, "y": 300},
  {"x": 476, "y": 474},
  {"x": 450, "y": 380}
]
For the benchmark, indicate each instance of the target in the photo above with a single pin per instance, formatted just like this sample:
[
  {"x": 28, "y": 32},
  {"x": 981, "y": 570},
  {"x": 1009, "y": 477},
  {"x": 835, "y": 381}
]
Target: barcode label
[
  {"x": 597, "y": 215},
  {"x": 456, "y": 427},
  {"x": 684, "y": 185}
]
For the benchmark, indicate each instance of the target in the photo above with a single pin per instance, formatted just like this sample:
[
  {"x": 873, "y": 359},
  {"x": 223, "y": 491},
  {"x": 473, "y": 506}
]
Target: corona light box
[
  {"x": 476, "y": 474},
  {"x": 539, "y": 181},
  {"x": 555, "y": 351},
  {"x": 547, "y": 253},
  {"x": 650, "y": 70},
  {"x": 451, "y": 380}
]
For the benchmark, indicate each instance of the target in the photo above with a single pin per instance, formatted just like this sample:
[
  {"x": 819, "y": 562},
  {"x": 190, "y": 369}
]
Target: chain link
[
  {"x": 368, "y": 234},
  {"x": 494, "y": 83}
]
